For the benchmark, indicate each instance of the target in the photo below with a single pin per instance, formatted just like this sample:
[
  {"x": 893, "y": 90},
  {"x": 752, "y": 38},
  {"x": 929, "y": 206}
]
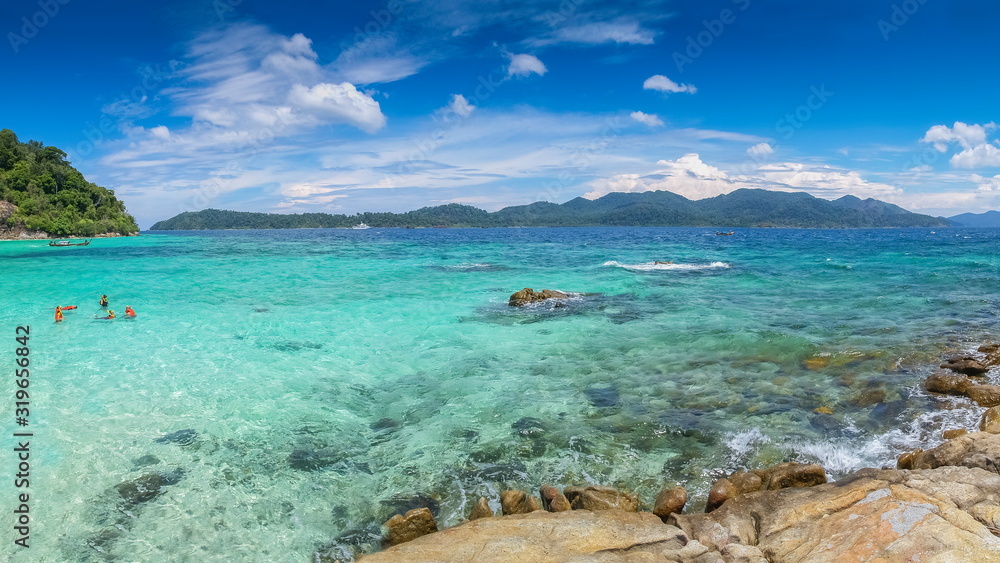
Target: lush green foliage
[
  {"x": 741, "y": 208},
  {"x": 52, "y": 196}
]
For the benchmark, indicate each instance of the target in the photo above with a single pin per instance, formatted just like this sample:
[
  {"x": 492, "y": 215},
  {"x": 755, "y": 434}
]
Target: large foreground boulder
[
  {"x": 604, "y": 536},
  {"x": 942, "y": 515}
]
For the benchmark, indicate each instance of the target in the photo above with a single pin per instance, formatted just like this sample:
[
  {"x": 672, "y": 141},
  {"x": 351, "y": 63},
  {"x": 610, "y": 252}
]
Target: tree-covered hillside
[
  {"x": 741, "y": 208},
  {"x": 51, "y": 196}
]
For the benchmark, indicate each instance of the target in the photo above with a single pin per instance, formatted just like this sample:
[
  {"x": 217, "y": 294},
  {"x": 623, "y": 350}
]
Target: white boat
[{"x": 360, "y": 226}]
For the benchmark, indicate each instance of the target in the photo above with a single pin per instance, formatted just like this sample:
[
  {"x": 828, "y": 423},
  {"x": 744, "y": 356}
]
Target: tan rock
[
  {"x": 721, "y": 491},
  {"x": 992, "y": 353},
  {"x": 975, "y": 449},
  {"x": 747, "y": 482},
  {"x": 791, "y": 474},
  {"x": 518, "y": 502},
  {"x": 936, "y": 515},
  {"x": 415, "y": 523},
  {"x": 481, "y": 509},
  {"x": 947, "y": 383},
  {"x": 553, "y": 500},
  {"x": 965, "y": 364},
  {"x": 984, "y": 395},
  {"x": 670, "y": 501},
  {"x": 990, "y": 422},
  {"x": 528, "y": 295},
  {"x": 601, "y": 498},
  {"x": 954, "y": 433},
  {"x": 550, "y": 537}
]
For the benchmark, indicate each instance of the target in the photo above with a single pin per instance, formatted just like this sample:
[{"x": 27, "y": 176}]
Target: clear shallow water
[{"x": 331, "y": 375}]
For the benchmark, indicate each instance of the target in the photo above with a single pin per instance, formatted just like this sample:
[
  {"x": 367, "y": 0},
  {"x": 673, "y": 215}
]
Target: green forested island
[
  {"x": 42, "y": 195},
  {"x": 741, "y": 208}
]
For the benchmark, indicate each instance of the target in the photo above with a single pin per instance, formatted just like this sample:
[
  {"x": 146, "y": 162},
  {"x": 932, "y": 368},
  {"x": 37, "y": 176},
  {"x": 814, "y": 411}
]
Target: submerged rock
[
  {"x": 184, "y": 437},
  {"x": 527, "y": 296},
  {"x": 313, "y": 460},
  {"x": 147, "y": 487},
  {"x": 529, "y": 427},
  {"x": 965, "y": 364},
  {"x": 603, "y": 396},
  {"x": 403, "y": 504},
  {"x": 410, "y": 526}
]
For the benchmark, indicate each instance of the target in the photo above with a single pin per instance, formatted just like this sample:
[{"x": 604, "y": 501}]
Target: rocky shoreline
[{"x": 940, "y": 504}]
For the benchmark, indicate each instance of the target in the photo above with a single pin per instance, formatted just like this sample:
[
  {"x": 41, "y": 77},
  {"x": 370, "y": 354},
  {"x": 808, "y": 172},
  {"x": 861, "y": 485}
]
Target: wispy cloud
[{"x": 627, "y": 32}]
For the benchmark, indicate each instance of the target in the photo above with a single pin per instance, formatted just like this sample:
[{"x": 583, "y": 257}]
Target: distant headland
[{"x": 741, "y": 208}]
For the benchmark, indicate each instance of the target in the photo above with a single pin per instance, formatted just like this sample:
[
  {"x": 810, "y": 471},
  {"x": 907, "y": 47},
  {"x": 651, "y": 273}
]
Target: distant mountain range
[
  {"x": 741, "y": 208},
  {"x": 988, "y": 219}
]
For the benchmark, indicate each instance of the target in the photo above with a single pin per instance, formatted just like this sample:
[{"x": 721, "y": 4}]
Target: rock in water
[
  {"x": 147, "y": 487},
  {"x": 603, "y": 396},
  {"x": 965, "y": 364},
  {"x": 948, "y": 383},
  {"x": 518, "y": 502},
  {"x": 990, "y": 422},
  {"x": 601, "y": 498},
  {"x": 553, "y": 500},
  {"x": 184, "y": 437},
  {"x": 984, "y": 395},
  {"x": 415, "y": 523},
  {"x": 670, "y": 501},
  {"x": 528, "y": 295},
  {"x": 481, "y": 510}
]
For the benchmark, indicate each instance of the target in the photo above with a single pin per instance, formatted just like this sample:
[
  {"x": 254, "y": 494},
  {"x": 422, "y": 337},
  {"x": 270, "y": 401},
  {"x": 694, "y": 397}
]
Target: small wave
[{"x": 651, "y": 266}]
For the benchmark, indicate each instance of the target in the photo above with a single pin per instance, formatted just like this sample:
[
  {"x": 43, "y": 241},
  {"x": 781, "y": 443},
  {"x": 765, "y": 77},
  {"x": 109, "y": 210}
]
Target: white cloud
[
  {"x": 647, "y": 118},
  {"x": 523, "y": 65},
  {"x": 976, "y": 151},
  {"x": 980, "y": 156},
  {"x": 661, "y": 83},
  {"x": 967, "y": 136},
  {"x": 986, "y": 184},
  {"x": 338, "y": 103},
  {"x": 459, "y": 106},
  {"x": 692, "y": 178},
  {"x": 760, "y": 151}
]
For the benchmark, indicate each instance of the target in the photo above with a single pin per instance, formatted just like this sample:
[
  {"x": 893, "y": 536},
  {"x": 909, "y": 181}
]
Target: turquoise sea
[{"x": 283, "y": 392}]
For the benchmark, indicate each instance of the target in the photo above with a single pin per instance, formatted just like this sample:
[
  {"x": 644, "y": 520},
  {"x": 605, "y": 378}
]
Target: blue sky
[{"x": 343, "y": 107}]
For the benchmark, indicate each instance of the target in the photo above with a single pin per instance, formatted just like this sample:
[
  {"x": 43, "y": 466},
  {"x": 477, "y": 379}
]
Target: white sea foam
[{"x": 650, "y": 266}]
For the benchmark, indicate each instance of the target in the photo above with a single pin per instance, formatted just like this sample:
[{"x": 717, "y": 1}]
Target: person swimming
[
  {"x": 104, "y": 301},
  {"x": 130, "y": 311}
]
